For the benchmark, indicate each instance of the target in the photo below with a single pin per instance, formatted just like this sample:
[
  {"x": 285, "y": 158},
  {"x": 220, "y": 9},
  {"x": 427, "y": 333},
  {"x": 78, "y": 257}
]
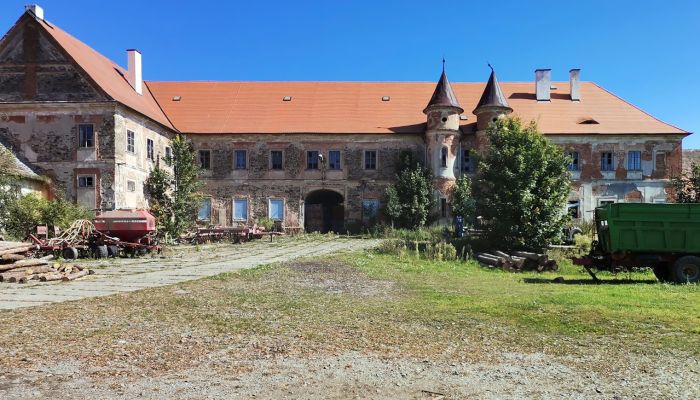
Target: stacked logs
[
  {"x": 16, "y": 266},
  {"x": 517, "y": 261}
]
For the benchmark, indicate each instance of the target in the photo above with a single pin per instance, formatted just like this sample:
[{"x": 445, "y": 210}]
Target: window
[
  {"x": 86, "y": 135},
  {"x": 149, "y": 150},
  {"x": 276, "y": 209},
  {"x": 574, "y": 207},
  {"x": 204, "y": 213},
  {"x": 370, "y": 210},
  {"x": 443, "y": 157},
  {"x": 205, "y": 159},
  {"x": 131, "y": 186},
  {"x": 168, "y": 155},
  {"x": 130, "y": 142},
  {"x": 605, "y": 202},
  {"x": 240, "y": 157},
  {"x": 606, "y": 162},
  {"x": 574, "y": 165},
  {"x": 334, "y": 159},
  {"x": 87, "y": 181},
  {"x": 371, "y": 159},
  {"x": 312, "y": 159},
  {"x": 276, "y": 159},
  {"x": 634, "y": 160},
  {"x": 443, "y": 208},
  {"x": 467, "y": 161},
  {"x": 240, "y": 209}
]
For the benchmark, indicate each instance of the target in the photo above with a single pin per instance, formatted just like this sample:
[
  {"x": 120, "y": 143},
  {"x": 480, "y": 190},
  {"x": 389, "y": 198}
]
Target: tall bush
[{"x": 410, "y": 200}]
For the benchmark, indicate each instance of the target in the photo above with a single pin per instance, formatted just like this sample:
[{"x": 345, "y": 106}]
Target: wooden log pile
[
  {"x": 517, "y": 261},
  {"x": 17, "y": 265}
]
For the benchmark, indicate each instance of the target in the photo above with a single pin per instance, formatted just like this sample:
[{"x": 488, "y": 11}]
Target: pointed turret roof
[
  {"x": 443, "y": 96},
  {"x": 492, "y": 96}
]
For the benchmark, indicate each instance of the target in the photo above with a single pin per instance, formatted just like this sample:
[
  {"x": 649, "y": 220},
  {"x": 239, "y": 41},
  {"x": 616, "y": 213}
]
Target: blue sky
[{"x": 644, "y": 51}]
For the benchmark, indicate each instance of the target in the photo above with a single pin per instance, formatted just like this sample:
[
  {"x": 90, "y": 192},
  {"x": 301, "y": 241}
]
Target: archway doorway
[{"x": 324, "y": 211}]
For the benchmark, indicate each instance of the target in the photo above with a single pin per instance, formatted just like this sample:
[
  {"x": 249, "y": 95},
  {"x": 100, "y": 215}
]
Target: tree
[
  {"x": 462, "y": 201},
  {"x": 410, "y": 199},
  {"x": 174, "y": 197},
  {"x": 686, "y": 187},
  {"x": 522, "y": 186}
]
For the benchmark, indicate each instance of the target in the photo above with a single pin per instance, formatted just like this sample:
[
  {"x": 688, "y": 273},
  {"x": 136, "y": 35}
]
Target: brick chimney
[
  {"x": 134, "y": 74},
  {"x": 543, "y": 84},
  {"x": 575, "y": 84},
  {"x": 36, "y": 10}
]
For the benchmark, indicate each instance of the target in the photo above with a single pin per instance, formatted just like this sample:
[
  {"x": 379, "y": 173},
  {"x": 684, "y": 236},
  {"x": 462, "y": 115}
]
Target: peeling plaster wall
[{"x": 258, "y": 182}]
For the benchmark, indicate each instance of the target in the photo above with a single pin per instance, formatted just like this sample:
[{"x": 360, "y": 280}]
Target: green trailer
[{"x": 665, "y": 237}]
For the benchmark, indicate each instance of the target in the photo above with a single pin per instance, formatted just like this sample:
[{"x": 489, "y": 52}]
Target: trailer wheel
[
  {"x": 686, "y": 270},
  {"x": 100, "y": 251},
  {"x": 113, "y": 251},
  {"x": 70, "y": 253}
]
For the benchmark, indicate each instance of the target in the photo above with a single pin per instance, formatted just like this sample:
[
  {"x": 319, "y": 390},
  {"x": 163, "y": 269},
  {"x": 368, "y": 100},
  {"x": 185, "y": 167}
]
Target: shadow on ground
[{"x": 562, "y": 281}]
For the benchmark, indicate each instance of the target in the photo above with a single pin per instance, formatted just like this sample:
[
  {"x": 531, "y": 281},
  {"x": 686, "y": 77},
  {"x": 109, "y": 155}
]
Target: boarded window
[
  {"x": 276, "y": 159},
  {"x": 86, "y": 135},
  {"x": 240, "y": 159},
  {"x": 574, "y": 164},
  {"x": 334, "y": 159},
  {"x": 312, "y": 159},
  {"x": 634, "y": 160},
  {"x": 660, "y": 161},
  {"x": 371, "y": 159},
  {"x": 276, "y": 209},
  {"x": 240, "y": 209},
  {"x": 130, "y": 141},
  {"x": 606, "y": 162},
  {"x": 204, "y": 213},
  {"x": 205, "y": 159},
  {"x": 131, "y": 186}
]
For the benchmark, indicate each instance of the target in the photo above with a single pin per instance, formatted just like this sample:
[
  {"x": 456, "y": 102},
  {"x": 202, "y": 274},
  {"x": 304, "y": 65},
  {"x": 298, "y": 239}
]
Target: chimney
[
  {"x": 134, "y": 73},
  {"x": 575, "y": 84},
  {"x": 543, "y": 84},
  {"x": 36, "y": 10}
]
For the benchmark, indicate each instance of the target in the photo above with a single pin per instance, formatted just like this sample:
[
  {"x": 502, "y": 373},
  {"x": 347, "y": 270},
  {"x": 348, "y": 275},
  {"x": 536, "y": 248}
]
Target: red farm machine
[{"x": 112, "y": 234}]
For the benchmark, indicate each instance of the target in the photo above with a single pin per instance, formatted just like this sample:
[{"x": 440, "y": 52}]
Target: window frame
[
  {"x": 84, "y": 178},
  {"x": 444, "y": 155},
  {"x": 443, "y": 207},
  {"x": 315, "y": 159},
  {"x": 208, "y": 159},
  {"x": 130, "y": 186},
  {"x": 272, "y": 161},
  {"x": 575, "y": 164},
  {"x": 81, "y": 139},
  {"x": 150, "y": 149},
  {"x": 168, "y": 155},
  {"x": 638, "y": 160},
  {"x": 204, "y": 200},
  {"x": 466, "y": 162},
  {"x": 235, "y": 159},
  {"x": 340, "y": 164},
  {"x": 269, "y": 208},
  {"x": 130, "y": 141},
  {"x": 611, "y": 165},
  {"x": 366, "y": 218},
  {"x": 365, "y": 159},
  {"x": 233, "y": 214}
]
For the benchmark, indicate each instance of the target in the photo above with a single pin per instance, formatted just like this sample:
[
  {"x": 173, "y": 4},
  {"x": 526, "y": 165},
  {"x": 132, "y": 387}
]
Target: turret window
[
  {"x": 467, "y": 165},
  {"x": 443, "y": 157}
]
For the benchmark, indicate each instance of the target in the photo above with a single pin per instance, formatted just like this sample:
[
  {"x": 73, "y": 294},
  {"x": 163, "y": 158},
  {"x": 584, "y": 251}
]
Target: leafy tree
[
  {"x": 522, "y": 186},
  {"x": 686, "y": 187},
  {"x": 410, "y": 200},
  {"x": 24, "y": 213},
  {"x": 462, "y": 201},
  {"x": 174, "y": 198}
]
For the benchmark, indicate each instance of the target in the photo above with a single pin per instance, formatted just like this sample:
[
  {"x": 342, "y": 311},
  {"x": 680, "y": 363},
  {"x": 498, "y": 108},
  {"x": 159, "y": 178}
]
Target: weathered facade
[{"x": 317, "y": 155}]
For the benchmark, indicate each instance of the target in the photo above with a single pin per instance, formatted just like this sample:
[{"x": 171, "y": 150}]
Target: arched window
[{"x": 443, "y": 157}]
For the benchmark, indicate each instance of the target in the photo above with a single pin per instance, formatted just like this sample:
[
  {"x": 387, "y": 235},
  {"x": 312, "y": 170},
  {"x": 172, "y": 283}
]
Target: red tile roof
[
  {"x": 357, "y": 107},
  {"x": 108, "y": 75}
]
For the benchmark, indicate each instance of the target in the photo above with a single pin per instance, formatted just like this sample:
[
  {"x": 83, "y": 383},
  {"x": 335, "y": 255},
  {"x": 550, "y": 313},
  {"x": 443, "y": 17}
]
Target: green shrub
[
  {"x": 24, "y": 213},
  {"x": 266, "y": 223},
  {"x": 583, "y": 243}
]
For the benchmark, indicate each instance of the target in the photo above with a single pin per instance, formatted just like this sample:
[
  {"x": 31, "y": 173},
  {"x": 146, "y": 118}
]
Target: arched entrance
[{"x": 324, "y": 211}]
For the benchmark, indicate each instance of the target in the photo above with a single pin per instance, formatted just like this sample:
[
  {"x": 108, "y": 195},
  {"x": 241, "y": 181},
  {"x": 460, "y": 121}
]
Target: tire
[
  {"x": 142, "y": 252},
  {"x": 70, "y": 253},
  {"x": 661, "y": 272},
  {"x": 113, "y": 251},
  {"x": 686, "y": 270},
  {"x": 100, "y": 251}
]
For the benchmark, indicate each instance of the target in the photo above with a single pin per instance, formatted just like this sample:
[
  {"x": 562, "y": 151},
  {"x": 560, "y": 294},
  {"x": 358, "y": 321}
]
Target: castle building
[{"x": 317, "y": 155}]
